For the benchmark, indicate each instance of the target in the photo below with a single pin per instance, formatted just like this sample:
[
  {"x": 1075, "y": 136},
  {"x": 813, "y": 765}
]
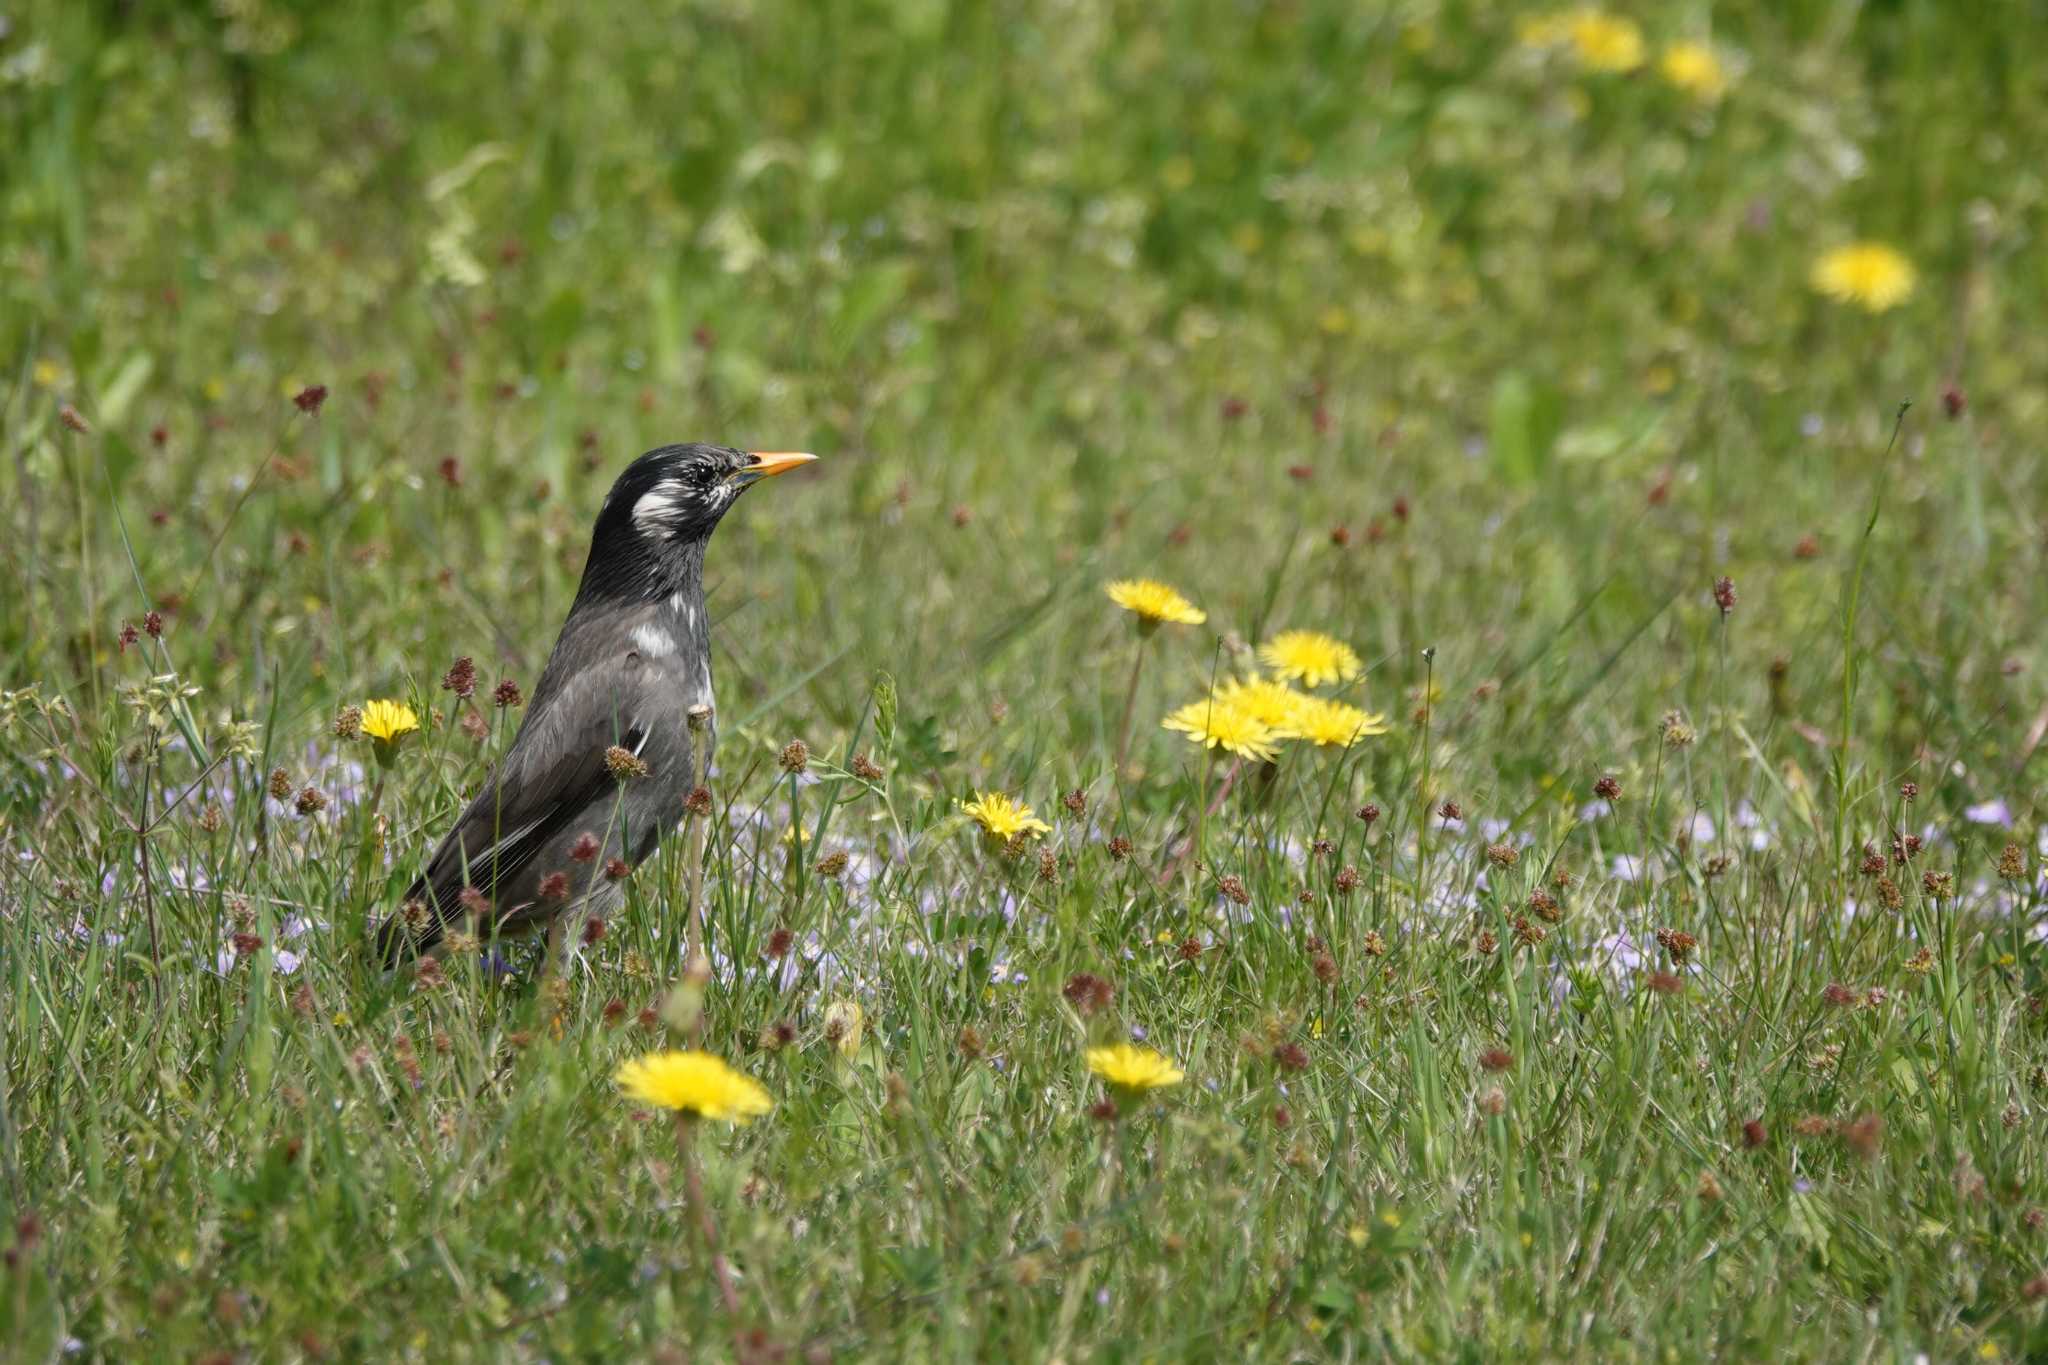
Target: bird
[{"x": 607, "y": 751}]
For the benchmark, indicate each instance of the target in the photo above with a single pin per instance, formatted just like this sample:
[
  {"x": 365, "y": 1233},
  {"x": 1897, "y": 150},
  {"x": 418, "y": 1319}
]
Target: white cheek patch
[
  {"x": 656, "y": 508},
  {"x": 653, "y": 642}
]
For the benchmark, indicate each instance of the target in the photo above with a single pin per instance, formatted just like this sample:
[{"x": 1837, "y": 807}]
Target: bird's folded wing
[{"x": 555, "y": 771}]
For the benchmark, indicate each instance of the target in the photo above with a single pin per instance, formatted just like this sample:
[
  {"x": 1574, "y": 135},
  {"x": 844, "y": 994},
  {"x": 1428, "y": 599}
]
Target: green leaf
[
  {"x": 1805, "y": 1220},
  {"x": 1526, "y": 417},
  {"x": 119, "y": 394},
  {"x": 885, "y": 710}
]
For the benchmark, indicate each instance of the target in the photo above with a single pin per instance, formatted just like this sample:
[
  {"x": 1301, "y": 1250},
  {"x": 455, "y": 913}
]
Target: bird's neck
[{"x": 666, "y": 574}]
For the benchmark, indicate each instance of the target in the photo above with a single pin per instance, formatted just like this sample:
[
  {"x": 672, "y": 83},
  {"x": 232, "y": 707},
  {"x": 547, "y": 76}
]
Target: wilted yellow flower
[
  {"x": 1605, "y": 42},
  {"x": 1694, "y": 68},
  {"x": 1310, "y": 658},
  {"x": 1153, "y": 602},
  {"x": 1132, "y": 1069},
  {"x": 1003, "y": 818},
  {"x": 1869, "y": 274},
  {"x": 1215, "y": 724},
  {"x": 1322, "y": 721},
  {"x": 844, "y": 1024},
  {"x": 386, "y": 721},
  {"x": 694, "y": 1083}
]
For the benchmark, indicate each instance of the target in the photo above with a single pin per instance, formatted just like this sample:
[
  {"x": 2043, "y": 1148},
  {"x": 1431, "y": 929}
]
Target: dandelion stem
[
  {"x": 700, "y": 735},
  {"x": 1123, "y": 732},
  {"x": 1849, "y": 603},
  {"x": 700, "y": 1213},
  {"x": 1422, "y": 803}
]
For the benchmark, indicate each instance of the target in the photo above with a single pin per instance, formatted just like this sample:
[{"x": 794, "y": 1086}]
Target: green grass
[{"x": 1060, "y": 293}]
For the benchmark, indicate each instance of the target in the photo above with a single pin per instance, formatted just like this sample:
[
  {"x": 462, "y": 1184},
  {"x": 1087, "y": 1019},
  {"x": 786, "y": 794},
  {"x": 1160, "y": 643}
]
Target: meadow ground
[{"x": 1666, "y": 981}]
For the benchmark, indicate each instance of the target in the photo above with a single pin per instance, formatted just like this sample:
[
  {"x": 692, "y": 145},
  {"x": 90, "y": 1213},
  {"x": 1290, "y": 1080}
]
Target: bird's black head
[{"x": 662, "y": 509}]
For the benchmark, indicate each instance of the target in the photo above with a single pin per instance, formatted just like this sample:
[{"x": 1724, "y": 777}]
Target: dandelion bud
[
  {"x": 1678, "y": 943},
  {"x": 1724, "y": 595},
  {"x": 1088, "y": 993},
  {"x": 623, "y": 764},
  {"x": 460, "y": 678}
]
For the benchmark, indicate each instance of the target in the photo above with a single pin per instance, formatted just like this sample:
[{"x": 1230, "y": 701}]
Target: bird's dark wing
[{"x": 553, "y": 774}]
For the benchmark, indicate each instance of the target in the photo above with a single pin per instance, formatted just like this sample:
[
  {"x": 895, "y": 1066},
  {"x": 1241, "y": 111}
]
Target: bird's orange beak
[{"x": 768, "y": 463}]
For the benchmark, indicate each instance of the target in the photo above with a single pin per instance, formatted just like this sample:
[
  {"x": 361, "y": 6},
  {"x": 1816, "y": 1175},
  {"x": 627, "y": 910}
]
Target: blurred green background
[
  {"x": 1481, "y": 328},
  {"x": 1085, "y": 278}
]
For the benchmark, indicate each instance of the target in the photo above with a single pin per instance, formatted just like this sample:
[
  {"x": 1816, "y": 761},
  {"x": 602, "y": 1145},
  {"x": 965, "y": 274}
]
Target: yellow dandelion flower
[
  {"x": 1321, "y": 721},
  {"x": 387, "y": 721},
  {"x": 1310, "y": 658},
  {"x": 1605, "y": 42},
  {"x": 1269, "y": 702},
  {"x": 1693, "y": 68},
  {"x": 1869, "y": 274},
  {"x": 1153, "y": 602},
  {"x": 48, "y": 374},
  {"x": 1215, "y": 724},
  {"x": 1132, "y": 1069},
  {"x": 1004, "y": 818},
  {"x": 694, "y": 1083}
]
